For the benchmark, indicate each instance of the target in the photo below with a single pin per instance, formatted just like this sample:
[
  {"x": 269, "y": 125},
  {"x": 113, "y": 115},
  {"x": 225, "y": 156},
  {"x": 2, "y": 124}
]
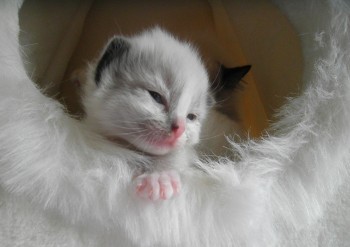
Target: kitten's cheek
[
  {"x": 182, "y": 140},
  {"x": 194, "y": 139}
]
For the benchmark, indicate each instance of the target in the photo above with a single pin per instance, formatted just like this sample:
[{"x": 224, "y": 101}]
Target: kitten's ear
[
  {"x": 232, "y": 76},
  {"x": 115, "y": 49}
]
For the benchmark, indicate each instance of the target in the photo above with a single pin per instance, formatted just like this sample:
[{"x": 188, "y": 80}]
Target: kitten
[{"x": 149, "y": 93}]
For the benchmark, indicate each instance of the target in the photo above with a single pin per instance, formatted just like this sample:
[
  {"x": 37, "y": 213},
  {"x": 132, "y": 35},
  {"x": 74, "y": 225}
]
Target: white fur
[
  {"x": 278, "y": 185},
  {"x": 59, "y": 166},
  {"x": 121, "y": 106}
]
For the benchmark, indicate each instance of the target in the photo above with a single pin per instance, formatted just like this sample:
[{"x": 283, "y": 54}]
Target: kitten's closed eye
[{"x": 157, "y": 97}]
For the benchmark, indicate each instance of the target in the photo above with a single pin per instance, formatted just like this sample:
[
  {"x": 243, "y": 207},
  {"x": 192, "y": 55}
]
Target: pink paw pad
[{"x": 158, "y": 185}]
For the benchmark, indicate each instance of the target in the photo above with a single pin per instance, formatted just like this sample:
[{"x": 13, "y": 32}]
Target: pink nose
[{"x": 178, "y": 127}]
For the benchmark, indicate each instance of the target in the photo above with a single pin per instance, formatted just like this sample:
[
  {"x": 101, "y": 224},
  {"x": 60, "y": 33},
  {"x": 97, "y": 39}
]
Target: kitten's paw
[{"x": 158, "y": 185}]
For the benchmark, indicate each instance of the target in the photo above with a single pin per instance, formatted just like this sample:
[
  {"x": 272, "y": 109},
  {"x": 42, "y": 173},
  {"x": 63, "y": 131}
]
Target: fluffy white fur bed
[{"x": 276, "y": 193}]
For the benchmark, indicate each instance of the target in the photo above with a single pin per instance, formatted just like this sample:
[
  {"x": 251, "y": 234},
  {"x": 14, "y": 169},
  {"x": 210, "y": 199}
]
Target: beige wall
[{"x": 231, "y": 32}]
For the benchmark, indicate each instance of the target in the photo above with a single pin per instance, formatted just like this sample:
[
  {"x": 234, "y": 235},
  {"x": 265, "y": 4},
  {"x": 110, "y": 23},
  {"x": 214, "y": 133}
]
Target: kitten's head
[{"x": 150, "y": 90}]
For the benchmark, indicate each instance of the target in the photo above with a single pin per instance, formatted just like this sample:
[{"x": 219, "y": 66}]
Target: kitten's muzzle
[{"x": 170, "y": 139}]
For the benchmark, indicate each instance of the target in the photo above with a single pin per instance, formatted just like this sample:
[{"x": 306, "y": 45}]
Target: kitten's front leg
[{"x": 158, "y": 185}]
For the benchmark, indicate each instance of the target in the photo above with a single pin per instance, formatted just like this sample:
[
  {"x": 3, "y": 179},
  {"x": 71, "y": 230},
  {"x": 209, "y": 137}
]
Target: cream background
[{"x": 60, "y": 37}]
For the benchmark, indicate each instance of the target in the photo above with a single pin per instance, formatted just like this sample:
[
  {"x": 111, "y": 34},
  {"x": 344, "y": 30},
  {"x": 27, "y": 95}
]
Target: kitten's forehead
[{"x": 176, "y": 63}]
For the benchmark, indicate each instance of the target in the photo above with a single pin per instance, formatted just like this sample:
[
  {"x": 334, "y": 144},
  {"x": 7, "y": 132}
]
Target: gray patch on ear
[{"x": 115, "y": 49}]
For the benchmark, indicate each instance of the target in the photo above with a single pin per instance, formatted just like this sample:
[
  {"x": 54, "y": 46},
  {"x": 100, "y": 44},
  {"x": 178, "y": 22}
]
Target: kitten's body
[{"x": 149, "y": 93}]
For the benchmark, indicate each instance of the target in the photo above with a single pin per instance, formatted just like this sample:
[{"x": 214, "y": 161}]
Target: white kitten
[{"x": 149, "y": 93}]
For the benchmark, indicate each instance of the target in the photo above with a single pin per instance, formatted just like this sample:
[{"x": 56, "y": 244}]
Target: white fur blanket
[{"x": 276, "y": 193}]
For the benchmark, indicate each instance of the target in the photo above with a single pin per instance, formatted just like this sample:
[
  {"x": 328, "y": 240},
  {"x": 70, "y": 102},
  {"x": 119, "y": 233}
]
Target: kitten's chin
[
  {"x": 156, "y": 144},
  {"x": 157, "y": 151},
  {"x": 154, "y": 149}
]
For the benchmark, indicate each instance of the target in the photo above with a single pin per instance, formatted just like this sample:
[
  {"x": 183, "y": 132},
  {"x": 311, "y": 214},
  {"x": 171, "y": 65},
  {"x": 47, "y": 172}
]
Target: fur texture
[
  {"x": 149, "y": 93},
  {"x": 58, "y": 154},
  {"x": 276, "y": 186},
  {"x": 147, "y": 84}
]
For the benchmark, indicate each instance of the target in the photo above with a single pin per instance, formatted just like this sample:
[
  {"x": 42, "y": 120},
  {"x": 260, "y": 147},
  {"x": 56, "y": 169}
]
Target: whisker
[
  {"x": 138, "y": 120},
  {"x": 126, "y": 127},
  {"x": 219, "y": 86},
  {"x": 143, "y": 137},
  {"x": 211, "y": 137},
  {"x": 219, "y": 103},
  {"x": 216, "y": 76},
  {"x": 132, "y": 132}
]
